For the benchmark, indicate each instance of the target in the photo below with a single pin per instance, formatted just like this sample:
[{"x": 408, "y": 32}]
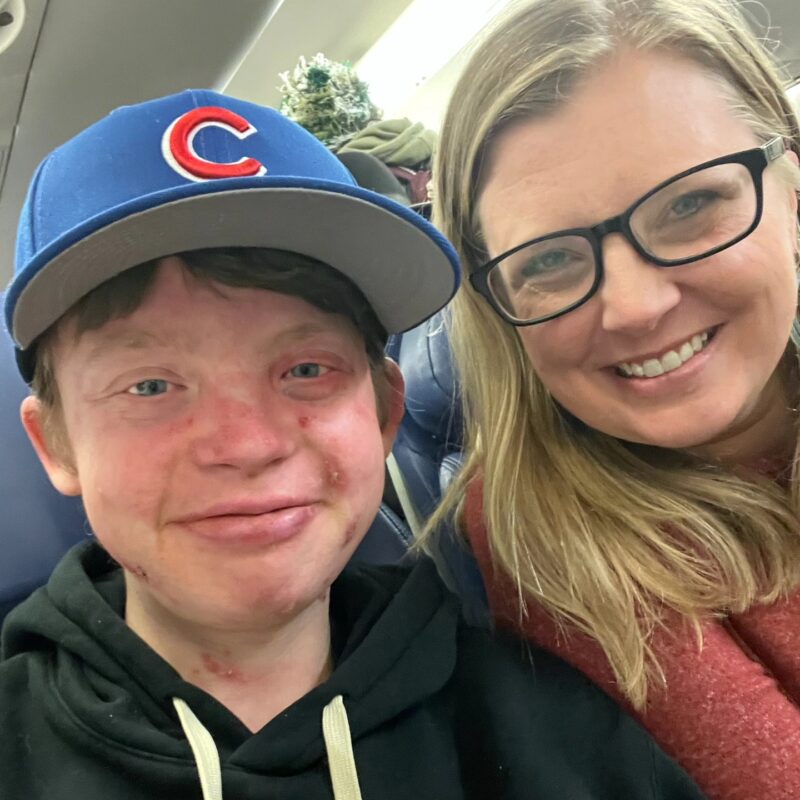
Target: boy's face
[{"x": 227, "y": 447}]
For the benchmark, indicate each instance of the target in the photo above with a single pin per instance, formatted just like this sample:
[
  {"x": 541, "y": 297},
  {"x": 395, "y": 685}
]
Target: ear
[
  {"x": 793, "y": 192},
  {"x": 395, "y": 405},
  {"x": 62, "y": 474}
]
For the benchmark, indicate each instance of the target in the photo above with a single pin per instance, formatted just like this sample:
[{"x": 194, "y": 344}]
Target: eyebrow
[
  {"x": 142, "y": 340},
  {"x": 139, "y": 340},
  {"x": 303, "y": 330}
]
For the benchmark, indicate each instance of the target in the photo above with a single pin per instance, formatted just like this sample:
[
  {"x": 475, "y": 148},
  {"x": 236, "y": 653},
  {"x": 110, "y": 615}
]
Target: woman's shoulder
[{"x": 555, "y": 732}]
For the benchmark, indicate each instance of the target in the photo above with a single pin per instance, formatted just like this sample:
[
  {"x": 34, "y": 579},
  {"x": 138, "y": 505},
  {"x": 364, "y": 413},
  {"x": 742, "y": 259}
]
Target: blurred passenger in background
[{"x": 406, "y": 148}]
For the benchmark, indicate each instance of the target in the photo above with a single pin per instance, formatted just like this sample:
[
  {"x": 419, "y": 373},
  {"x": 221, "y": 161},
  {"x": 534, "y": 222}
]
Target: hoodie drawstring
[
  {"x": 335, "y": 731},
  {"x": 205, "y": 751},
  {"x": 341, "y": 761}
]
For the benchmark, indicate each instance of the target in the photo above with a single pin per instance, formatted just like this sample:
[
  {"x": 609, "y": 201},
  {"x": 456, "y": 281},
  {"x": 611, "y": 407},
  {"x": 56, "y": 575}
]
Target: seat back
[
  {"x": 429, "y": 450},
  {"x": 429, "y": 441},
  {"x": 39, "y": 525}
]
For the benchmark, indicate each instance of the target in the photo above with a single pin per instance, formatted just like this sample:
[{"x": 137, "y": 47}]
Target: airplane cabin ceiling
[
  {"x": 783, "y": 19},
  {"x": 74, "y": 61}
]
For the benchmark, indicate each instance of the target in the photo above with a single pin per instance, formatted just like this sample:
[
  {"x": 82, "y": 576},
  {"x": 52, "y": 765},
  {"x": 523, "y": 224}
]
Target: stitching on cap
[{"x": 37, "y": 221}]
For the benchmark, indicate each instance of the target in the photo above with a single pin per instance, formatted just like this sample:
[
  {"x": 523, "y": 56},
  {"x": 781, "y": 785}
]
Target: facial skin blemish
[
  {"x": 303, "y": 421},
  {"x": 222, "y": 670},
  {"x": 134, "y": 569},
  {"x": 334, "y": 473}
]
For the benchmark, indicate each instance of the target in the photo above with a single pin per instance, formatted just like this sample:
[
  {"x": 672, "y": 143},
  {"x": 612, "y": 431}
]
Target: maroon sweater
[{"x": 730, "y": 713}]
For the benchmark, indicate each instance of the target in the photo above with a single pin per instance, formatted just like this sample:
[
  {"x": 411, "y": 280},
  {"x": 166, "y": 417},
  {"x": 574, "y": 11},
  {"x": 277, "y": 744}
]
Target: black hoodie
[{"x": 436, "y": 709}]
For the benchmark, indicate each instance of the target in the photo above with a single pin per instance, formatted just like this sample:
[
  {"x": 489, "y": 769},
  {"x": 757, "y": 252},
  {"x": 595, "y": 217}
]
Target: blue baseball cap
[{"x": 197, "y": 170}]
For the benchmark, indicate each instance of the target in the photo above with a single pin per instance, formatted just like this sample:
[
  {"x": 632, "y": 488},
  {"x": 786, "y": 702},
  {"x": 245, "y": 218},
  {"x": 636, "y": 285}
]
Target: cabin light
[
  {"x": 12, "y": 19},
  {"x": 423, "y": 39}
]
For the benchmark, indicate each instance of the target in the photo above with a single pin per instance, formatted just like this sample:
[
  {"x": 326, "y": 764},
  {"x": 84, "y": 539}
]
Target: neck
[
  {"x": 768, "y": 430},
  {"x": 255, "y": 673}
]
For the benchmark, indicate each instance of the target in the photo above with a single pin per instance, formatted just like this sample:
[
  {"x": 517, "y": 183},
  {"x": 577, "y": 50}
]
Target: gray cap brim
[{"x": 403, "y": 273}]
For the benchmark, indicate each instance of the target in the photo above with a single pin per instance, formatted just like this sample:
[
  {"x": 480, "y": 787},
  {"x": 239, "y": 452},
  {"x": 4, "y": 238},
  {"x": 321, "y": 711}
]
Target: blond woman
[{"x": 620, "y": 179}]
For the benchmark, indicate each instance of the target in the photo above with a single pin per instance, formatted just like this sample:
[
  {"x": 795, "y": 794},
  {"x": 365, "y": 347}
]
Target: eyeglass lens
[{"x": 685, "y": 219}]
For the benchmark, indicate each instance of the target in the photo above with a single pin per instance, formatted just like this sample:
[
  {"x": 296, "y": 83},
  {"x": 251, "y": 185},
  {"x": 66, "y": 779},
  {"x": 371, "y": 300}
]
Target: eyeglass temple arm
[{"x": 774, "y": 148}]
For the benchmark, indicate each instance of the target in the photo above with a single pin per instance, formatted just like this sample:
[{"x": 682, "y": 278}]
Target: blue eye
[
  {"x": 149, "y": 388},
  {"x": 546, "y": 262},
  {"x": 307, "y": 370},
  {"x": 688, "y": 205}
]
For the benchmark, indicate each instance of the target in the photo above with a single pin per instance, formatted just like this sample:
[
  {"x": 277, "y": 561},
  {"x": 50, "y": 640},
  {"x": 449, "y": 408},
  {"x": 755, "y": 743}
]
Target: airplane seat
[
  {"x": 39, "y": 525},
  {"x": 428, "y": 451},
  {"x": 386, "y": 541},
  {"x": 431, "y": 429}
]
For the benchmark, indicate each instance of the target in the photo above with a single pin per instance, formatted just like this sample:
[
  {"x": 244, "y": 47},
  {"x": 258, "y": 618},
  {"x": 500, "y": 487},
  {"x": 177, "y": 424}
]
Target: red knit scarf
[{"x": 730, "y": 714}]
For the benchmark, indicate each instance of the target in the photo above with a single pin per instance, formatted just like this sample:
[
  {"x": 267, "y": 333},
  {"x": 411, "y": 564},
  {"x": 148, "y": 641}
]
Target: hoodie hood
[{"x": 394, "y": 637}]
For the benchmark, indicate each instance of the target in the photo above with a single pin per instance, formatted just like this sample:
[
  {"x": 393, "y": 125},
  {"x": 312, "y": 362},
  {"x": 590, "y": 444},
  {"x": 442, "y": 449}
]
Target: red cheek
[
  {"x": 180, "y": 426},
  {"x": 246, "y": 413}
]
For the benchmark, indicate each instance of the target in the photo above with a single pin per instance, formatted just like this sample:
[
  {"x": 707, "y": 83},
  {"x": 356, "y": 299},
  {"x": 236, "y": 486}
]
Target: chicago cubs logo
[{"x": 177, "y": 145}]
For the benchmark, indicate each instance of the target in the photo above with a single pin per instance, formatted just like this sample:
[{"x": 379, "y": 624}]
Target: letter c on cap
[{"x": 177, "y": 145}]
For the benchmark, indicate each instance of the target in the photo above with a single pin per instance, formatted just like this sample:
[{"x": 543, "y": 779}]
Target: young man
[{"x": 200, "y": 304}]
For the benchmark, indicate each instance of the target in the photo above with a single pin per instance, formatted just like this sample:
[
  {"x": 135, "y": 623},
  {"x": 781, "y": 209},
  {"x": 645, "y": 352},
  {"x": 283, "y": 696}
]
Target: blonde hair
[{"x": 602, "y": 533}]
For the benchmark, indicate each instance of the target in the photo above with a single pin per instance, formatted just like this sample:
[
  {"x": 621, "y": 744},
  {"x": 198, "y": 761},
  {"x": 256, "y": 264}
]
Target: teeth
[
  {"x": 671, "y": 360},
  {"x": 652, "y": 368}
]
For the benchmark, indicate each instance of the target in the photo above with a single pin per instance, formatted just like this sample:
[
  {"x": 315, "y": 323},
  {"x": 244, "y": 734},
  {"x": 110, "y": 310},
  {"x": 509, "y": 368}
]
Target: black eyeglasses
[{"x": 688, "y": 217}]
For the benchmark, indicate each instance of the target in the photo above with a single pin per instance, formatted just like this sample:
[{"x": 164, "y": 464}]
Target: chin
[{"x": 681, "y": 439}]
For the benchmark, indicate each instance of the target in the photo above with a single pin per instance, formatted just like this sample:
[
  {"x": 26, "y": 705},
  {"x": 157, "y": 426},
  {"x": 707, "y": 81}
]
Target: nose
[
  {"x": 245, "y": 430},
  {"x": 635, "y": 294}
]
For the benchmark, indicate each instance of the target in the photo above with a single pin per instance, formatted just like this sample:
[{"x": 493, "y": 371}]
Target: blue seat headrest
[
  {"x": 428, "y": 449},
  {"x": 433, "y": 403}
]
